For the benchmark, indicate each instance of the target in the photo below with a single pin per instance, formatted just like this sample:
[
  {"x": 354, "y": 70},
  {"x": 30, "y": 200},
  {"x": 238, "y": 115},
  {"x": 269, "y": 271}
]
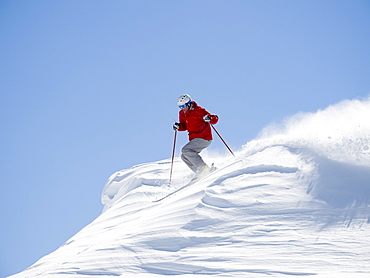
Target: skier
[{"x": 196, "y": 120}]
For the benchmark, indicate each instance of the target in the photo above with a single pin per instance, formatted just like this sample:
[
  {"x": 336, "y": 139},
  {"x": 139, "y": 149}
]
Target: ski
[
  {"x": 193, "y": 181},
  {"x": 173, "y": 192}
]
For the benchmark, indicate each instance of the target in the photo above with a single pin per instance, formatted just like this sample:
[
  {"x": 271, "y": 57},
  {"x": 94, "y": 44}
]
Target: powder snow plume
[{"x": 340, "y": 132}]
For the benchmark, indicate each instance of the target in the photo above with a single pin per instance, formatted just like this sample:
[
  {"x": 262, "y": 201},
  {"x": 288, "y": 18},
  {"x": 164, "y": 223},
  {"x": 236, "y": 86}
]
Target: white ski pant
[{"x": 190, "y": 153}]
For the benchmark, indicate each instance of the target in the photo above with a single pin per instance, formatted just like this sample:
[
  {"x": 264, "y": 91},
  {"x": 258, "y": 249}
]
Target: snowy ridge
[{"x": 295, "y": 202}]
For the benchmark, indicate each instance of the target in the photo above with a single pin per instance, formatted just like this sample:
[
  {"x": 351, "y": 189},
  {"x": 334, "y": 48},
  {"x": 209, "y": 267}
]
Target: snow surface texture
[{"x": 295, "y": 202}]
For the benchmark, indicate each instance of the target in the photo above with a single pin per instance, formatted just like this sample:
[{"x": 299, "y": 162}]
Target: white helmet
[{"x": 183, "y": 101}]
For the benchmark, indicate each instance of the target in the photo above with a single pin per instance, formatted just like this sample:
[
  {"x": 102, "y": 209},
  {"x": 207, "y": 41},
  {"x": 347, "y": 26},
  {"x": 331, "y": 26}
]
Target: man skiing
[{"x": 196, "y": 120}]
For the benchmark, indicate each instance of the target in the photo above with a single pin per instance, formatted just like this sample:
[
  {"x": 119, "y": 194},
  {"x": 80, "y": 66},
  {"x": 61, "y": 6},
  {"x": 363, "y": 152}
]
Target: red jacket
[{"x": 192, "y": 121}]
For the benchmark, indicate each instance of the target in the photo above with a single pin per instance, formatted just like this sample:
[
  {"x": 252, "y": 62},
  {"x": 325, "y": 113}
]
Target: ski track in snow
[{"x": 284, "y": 207}]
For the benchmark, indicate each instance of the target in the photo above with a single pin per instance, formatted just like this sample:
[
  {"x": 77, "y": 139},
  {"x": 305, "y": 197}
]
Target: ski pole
[
  {"x": 173, "y": 153},
  {"x": 222, "y": 140}
]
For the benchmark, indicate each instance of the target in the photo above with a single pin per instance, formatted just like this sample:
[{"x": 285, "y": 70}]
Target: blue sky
[{"x": 90, "y": 87}]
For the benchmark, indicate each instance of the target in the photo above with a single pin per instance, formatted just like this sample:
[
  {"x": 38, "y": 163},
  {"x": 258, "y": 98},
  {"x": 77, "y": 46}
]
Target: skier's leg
[
  {"x": 184, "y": 156},
  {"x": 190, "y": 153}
]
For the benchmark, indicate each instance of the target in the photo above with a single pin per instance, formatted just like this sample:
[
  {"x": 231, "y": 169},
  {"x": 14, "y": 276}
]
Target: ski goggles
[{"x": 184, "y": 105}]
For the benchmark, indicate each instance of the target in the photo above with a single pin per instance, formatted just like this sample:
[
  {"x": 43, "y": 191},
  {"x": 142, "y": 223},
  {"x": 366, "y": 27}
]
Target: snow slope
[{"x": 295, "y": 202}]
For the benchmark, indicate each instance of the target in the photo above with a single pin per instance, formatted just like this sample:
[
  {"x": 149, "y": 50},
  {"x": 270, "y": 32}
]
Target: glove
[
  {"x": 207, "y": 118},
  {"x": 176, "y": 126}
]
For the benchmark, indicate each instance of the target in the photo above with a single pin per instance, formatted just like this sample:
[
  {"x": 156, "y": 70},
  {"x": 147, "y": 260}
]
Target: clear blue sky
[{"x": 90, "y": 87}]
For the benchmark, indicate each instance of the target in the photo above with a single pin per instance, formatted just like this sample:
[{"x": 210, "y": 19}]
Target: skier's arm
[
  {"x": 182, "y": 124},
  {"x": 182, "y": 127},
  {"x": 209, "y": 118},
  {"x": 213, "y": 119}
]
